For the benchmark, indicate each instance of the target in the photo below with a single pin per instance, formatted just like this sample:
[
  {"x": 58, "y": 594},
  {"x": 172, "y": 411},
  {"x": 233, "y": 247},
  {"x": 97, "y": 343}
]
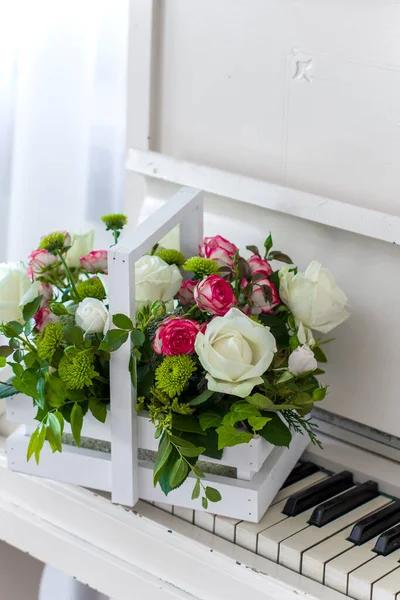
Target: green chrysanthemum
[
  {"x": 174, "y": 373},
  {"x": 255, "y": 319},
  {"x": 91, "y": 288},
  {"x": 114, "y": 221},
  {"x": 54, "y": 242},
  {"x": 202, "y": 267},
  {"x": 77, "y": 371},
  {"x": 172, "y": 257},
  {"x": 49, "y": 340}
]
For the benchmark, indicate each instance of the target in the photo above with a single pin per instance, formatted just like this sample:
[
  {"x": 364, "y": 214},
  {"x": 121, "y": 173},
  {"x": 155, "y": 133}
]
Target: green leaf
[
  {"x": 181, "y": 442},
  {"x": 31, "y": 308},
  {"x": 29, "y": 326},
  {"x": 196, "y": 490},
  {"x": 40, "y": 390},
  {"x": 178, "y": 473},
  {"x": 55, "y": 392},
  {"x": 77, "y": 422},
  {"x": 6, "y": 351},
  {"x": 18, "y": 356},
  {"x": 276, "y": 431},
  {"x": 30, "y": 358},
  {"x": 18, "y": 369},
  {"x": 98, "y": 409},
  {"x": 277, "y": 255},
  {"x": 192, "y": 452},
  {"x": 286, "y": 376},
  {"x": 55, "y": 442},
  {"x": 114, "y": 340},
  {"x": 209, "y": 419},
  {"x": 27, "y": 384},
  {"x": 60, "y": 420},
  {"x": 7, "y": 390},
  {"x": 209, "y": 440},
  {"x": 197, "y": 472},
  {"x": 260, "y": 401},
  {"x": 212, "y": 494},
  {"x": 204, "y": 503},
  {"x": 319, "y": 394},
  {"x": 186, "y": 423},
  {"x": 258, "y": 423},
  {"x": 268, "y": 244},
  {"x": 58, "y": 309},
  {"x": 12, "y": 329},
  {"x": 74, "y": 335},
  {"x": 40, "y": 442},
  {"x": 230, "y": 436},
  {"x": 240, "y": 411},
  {"x": 254, "y": 250},
  {"x": 203, "y": 397},
  {"x": 319, "y": 354},
  {"x": 122, "y": 321},
  {"x": 15, "y": 343},
  {"x": 137, "y": 337},
  {"x": 54, "y": 425},
  {"x": 164, "y": 450},
  {"x": 294, "y": 342},
  {"x": 3, "y": 361},
  {"x": 32, "y": 444}
]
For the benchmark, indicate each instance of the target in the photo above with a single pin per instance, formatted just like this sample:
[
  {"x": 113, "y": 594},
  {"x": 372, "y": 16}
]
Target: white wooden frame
[{"x": 185, "y": 208}]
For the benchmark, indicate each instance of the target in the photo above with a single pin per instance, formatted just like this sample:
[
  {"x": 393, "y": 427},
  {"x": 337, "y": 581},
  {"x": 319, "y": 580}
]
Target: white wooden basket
[{"x": 260, "y": 467}]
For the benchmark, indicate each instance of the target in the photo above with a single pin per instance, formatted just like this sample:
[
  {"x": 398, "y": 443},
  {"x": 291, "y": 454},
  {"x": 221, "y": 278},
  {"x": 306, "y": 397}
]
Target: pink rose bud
[
  {"x": 219, "y": 249},
  {"x": 176, "y": 335},
  {"x": 185, "y": 294},
  {"x": 39, "y": 261},
  {"x": 43, "y": 317},
  {"x": 259, "y": 265},
  {"x": 95, "y": 262},
  {"x": 259, "y": 299},
  {"x": 46, "y": 291},
  {"x": 214, "y": 295}
]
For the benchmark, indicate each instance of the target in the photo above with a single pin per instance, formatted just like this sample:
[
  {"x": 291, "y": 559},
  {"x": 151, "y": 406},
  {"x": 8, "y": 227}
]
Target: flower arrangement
[{"x": 223, "y": 346}]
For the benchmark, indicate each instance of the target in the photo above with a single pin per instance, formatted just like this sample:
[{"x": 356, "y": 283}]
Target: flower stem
[{"x": 75, "y": 294}]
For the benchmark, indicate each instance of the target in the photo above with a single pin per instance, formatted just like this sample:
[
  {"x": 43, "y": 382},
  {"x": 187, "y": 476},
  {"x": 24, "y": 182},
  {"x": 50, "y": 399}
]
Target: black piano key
[
  {"x": 375, "y": 524},
  {"x": 301, "y": 471},
  {"x": 388, "y": 542},
  {"x": 313, "y": 495},
  {"x": 339, "y": 506}
]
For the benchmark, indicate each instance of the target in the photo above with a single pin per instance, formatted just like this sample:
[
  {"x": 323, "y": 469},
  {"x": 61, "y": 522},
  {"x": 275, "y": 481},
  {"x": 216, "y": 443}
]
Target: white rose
[
  {"x": 235, "y": 351},
  {"x": 16, "y": 290},
  {"x": 155, "y": 280},
  {"x": 92, "y": 316},
  {"x": 313, "y": 297},
  {"x": 302, "y": 360},
  {"x": 81, "y": 245}
]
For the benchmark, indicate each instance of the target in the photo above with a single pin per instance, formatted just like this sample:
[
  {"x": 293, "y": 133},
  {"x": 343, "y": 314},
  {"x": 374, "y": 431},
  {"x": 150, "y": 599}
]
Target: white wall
[
  {"x": 19, "y": 574},
  {"x": 300, "y": 92}
]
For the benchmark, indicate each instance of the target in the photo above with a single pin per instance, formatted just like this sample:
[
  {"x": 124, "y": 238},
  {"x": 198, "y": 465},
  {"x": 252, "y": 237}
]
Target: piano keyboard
[{"x": 326, "y": 527}]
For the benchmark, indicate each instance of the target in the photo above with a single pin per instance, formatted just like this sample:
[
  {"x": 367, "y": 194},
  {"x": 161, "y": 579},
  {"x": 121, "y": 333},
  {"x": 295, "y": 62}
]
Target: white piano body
[{"x": 150, "y": 552}]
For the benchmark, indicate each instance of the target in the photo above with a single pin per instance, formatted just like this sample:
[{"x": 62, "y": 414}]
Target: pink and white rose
[
  {"x": 214, "y": 295},
  {"x": 95, "y": 262},
  {"x": 176, "y": 335},
  {"x": 260, "y": 303},
  {"x": 186, "y": 294},
  {"x": 38, "y": 262},
  {"x": 43, "y": 317},
  {"x": 259, "y": 265},
  {"x": 219, "y": 249}
]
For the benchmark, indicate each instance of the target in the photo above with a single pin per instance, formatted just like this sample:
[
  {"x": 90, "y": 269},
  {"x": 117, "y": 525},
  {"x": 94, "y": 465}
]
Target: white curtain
[{"x": 62, "y": 117}]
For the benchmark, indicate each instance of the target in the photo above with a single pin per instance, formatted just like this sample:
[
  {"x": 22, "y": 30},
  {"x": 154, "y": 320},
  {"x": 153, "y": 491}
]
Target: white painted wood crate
[{"x": 261, "y": 467}]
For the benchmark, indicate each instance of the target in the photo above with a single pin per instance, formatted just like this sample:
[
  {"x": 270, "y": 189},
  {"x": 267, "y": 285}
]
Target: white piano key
[
  {"x": 204, "y": 520},
  {"x": 225, "y": 527},
  {"x": 388, "y": 587},
  {"x": 187, "y": 514},
  {"x": 291, "y": 550},
  {"x": 269, "y": 540},
  {"x": 314, "y": 560},
  {"x": 247, "y": 533},
  {"x": 163, "y": 506},
  {"x": 362, "y": 579},
  {"x": 337, "y": 570}
]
